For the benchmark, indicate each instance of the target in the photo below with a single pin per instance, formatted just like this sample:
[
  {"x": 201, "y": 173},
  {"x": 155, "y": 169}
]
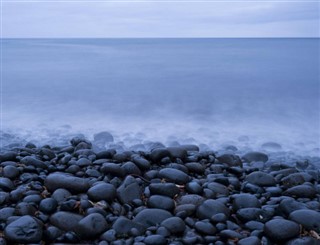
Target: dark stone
[
  {"x": 24, "y": 230},
  {"x": 218, "y": 189},
  {"x": 174, "y": 224},
  {"x": 211, "y": 207},
  {"x": 103, "y": 137},
  {"x": 129, "y": 190},
  {"x": 102, "y": 191},
  {"x": 190, "y": 199},
  {"x": 60, "y": 195},
  {"x": 6, "y": 184},
  {"x": 280, "y": 230},
  {"x": 155, "y": 240},
  {"x": 92, "y": 225},
  {"x": 195, "y": 167},
  {"x": 166, "y": 189},
  {"x": 307, "y": 240},
  {"x": 205, "y": 228},
  {"x": 177, "y": 152},
  {"x": 252, "y": 240},
  {"x": 83, "y": 162},
  {"x": 28, "y": 160},
  {"x": 123, "y": 226},
  {"x": 151, "y": 216},
  {"x": 73, "y": 184},
  {"x": 10, "y": 172},
  {"x": 301, "y": 191},
  {"x": 141, "y": 162},
  {"x": 309, "y": 219},
  {"x": 112, "y": 169},
  {"x": 8, "y": 156},
  {"x": 5, "y": 213},
  {"x": 261, "y": 179},
  {"x": 254, "y": 225},
  {"x": 230, "y": 159},
  {"x": 157, "y": 154},
  {"x": 287, "y": 206},
  {"x": 194, "y": 188},
  {"x": 66, "y": 221},
  {"x": 255, "y": 157},
  {"x": 245, "y": 201},
  {"x": 48, "y": 205},
  {"x": 296, "y": 179},
  {"x": 247, "y": 214},
  {"x": 162, "y": 202},
  {"x": 131, "y": 168},
  {"x": 174, "y": 175},
  {"x": 230, "y": 234}
]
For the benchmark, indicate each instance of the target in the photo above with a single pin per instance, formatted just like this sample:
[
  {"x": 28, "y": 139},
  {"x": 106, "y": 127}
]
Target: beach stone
[
  {"x": 129, "y": 190},
  {"x": 103, "y": 137},
  {"x": 32, "y": 161},
  {"x": 162, "y": 202},
  {"x": 245, "y": 201},
  {"x": 102, "y": 191},
  {"x": 73, "y": 184},
  {"x": 8, "y": 156},
  {"x": 296, "y": 179},
  {"x": 194, "y": 188},
  {"x": 66, "y": 221},
  {"x": 287, "y": 206},
  {"x": 166, "y": 189},
  {"x": 131, "y": 168},
  {"x": 190, "y": 147},
  {"x": 247, "y": 214},
  {"x": 112, "y": 169},
  {"x": 252, "y": 240},
  {"x": 271, "y": 146},
  {"x": 5, "y": 213},
  {"x": 60, "y": 195},
  {"x": 230, "y": 159},
  {"x": 230, "y": 234},
  {"x": 106, "y": 154},
  {"x": 261, "y": 179},
  {"x": 151, "y": 216},
  {"x": 309, "y": 219},
  {"x": 48, "y": 205},
  {"x": 307, "y": 240},
  {"x": 141, "y": 162},
  {"x": 301, "y": 191},
  {"x": 218, "y": 189},
  {"x": 205, "y": 228},
  {"x": 177, "y": 152},
  {"x": 123, "y": 226},
  {"x": 195, "y": 167},
  {"x": 174, "y": 224},
  {"x": 255, "y": 156},
  {"x": 157, "y": 154},
  {"x": 211, "y": 207},
  {"x": 155, "y": 240},
  {"x": 6, "y": 184},
  {"x": 280, "y": 230},
  {"x": 83, "y": 162},
  {"x": 92, "y": 225},
  {"x": 24, "y": 230},
  {"x": 254, "y": 225},
  {"x": 190, "y": 199},
  {"x": 174, "y": 175},
  {"x": 10, "y": 172}
]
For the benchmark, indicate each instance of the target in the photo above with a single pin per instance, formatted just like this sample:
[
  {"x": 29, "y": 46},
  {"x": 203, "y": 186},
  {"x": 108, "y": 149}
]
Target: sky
[{"x": 161, "y": 18}]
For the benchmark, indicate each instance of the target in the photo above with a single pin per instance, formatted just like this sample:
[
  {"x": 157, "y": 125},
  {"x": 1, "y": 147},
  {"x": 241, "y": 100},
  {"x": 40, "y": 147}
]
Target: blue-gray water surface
[{"x": 211, "y": 91}]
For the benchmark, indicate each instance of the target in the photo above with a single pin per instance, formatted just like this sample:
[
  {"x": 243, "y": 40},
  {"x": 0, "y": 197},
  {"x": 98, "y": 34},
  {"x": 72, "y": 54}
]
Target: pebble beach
[{"x": 82, "y": 194}]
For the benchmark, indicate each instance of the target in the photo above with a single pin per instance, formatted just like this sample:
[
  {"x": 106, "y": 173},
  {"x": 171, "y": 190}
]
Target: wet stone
[
  {"x": 174, "y": 224},
  {"x": 123, "y": 226},
  {"x": 155, "y": 240},
  {"x": 280, "y": 230},
  {"x": 245, "y": 201},
  {"x": 255, "y": 157},
  {"x": 129, "y": 190},
  {"x": 253, "y": 240},
  {"x": 205, "y": 228},
  {"x": 6, "y": 184},
  {"x": 92, "y": 225},
  {"x": 174, "y": 175},
  {"x": 166, "y": 189},
  {"x": 301, "y": 191},
  {"x": 162, "y": 202},
  {"x": 261, "y": 179},
  {"x": 66, "y": 221},
  {"x": 10, "y": 172},
  {"x": 151, "y": 216},
  {"x": 102, "y": 191},
  {"x": 48, "y": 205},
  {"x": 211, "y": 207},
  {"x": 309, "y": 219},
  {"x": 24, "y": 230}
]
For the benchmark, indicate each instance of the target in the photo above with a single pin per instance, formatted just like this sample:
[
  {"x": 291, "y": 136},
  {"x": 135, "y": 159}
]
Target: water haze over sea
[{"x": 211, "y": 91}]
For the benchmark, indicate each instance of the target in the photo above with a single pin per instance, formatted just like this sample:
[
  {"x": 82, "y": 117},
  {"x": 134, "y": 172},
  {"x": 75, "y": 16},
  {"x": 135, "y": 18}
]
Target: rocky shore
[{"x": 78, "y": 194}]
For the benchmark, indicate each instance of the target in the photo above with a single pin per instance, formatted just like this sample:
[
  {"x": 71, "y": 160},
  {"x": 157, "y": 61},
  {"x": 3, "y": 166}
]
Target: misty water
[{"x": 206, "y": 91}]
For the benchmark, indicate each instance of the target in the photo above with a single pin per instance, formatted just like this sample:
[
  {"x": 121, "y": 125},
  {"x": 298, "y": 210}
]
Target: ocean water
[{"x": 213, "y": 91}]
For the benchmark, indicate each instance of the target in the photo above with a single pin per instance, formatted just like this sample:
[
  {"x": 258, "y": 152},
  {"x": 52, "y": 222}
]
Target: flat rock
[
  {"x": 309, "y": 219},
  {"x": 73, "y": 184},
  {"x": 280, "y": 230},
  {"x": 24, "y": 230}
]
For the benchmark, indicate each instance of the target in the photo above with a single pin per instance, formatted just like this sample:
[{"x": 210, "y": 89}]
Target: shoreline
[{"x": 163, "y": 195}]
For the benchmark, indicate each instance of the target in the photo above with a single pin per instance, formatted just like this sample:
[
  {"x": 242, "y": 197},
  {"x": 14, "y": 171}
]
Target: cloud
[{"x": 161, "y": 19}]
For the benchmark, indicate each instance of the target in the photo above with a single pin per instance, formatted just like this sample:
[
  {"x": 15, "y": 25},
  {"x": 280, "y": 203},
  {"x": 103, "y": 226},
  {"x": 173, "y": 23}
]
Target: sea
[{"x": 207, "y": 91}]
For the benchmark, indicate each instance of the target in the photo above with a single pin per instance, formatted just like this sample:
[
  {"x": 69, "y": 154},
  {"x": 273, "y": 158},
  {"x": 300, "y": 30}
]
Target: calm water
[{"x": 192, "y": 90}]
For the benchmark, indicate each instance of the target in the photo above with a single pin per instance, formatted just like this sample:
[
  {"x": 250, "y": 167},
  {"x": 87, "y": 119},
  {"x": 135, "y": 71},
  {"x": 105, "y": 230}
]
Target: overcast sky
[{"x": 263, "y": 18}]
